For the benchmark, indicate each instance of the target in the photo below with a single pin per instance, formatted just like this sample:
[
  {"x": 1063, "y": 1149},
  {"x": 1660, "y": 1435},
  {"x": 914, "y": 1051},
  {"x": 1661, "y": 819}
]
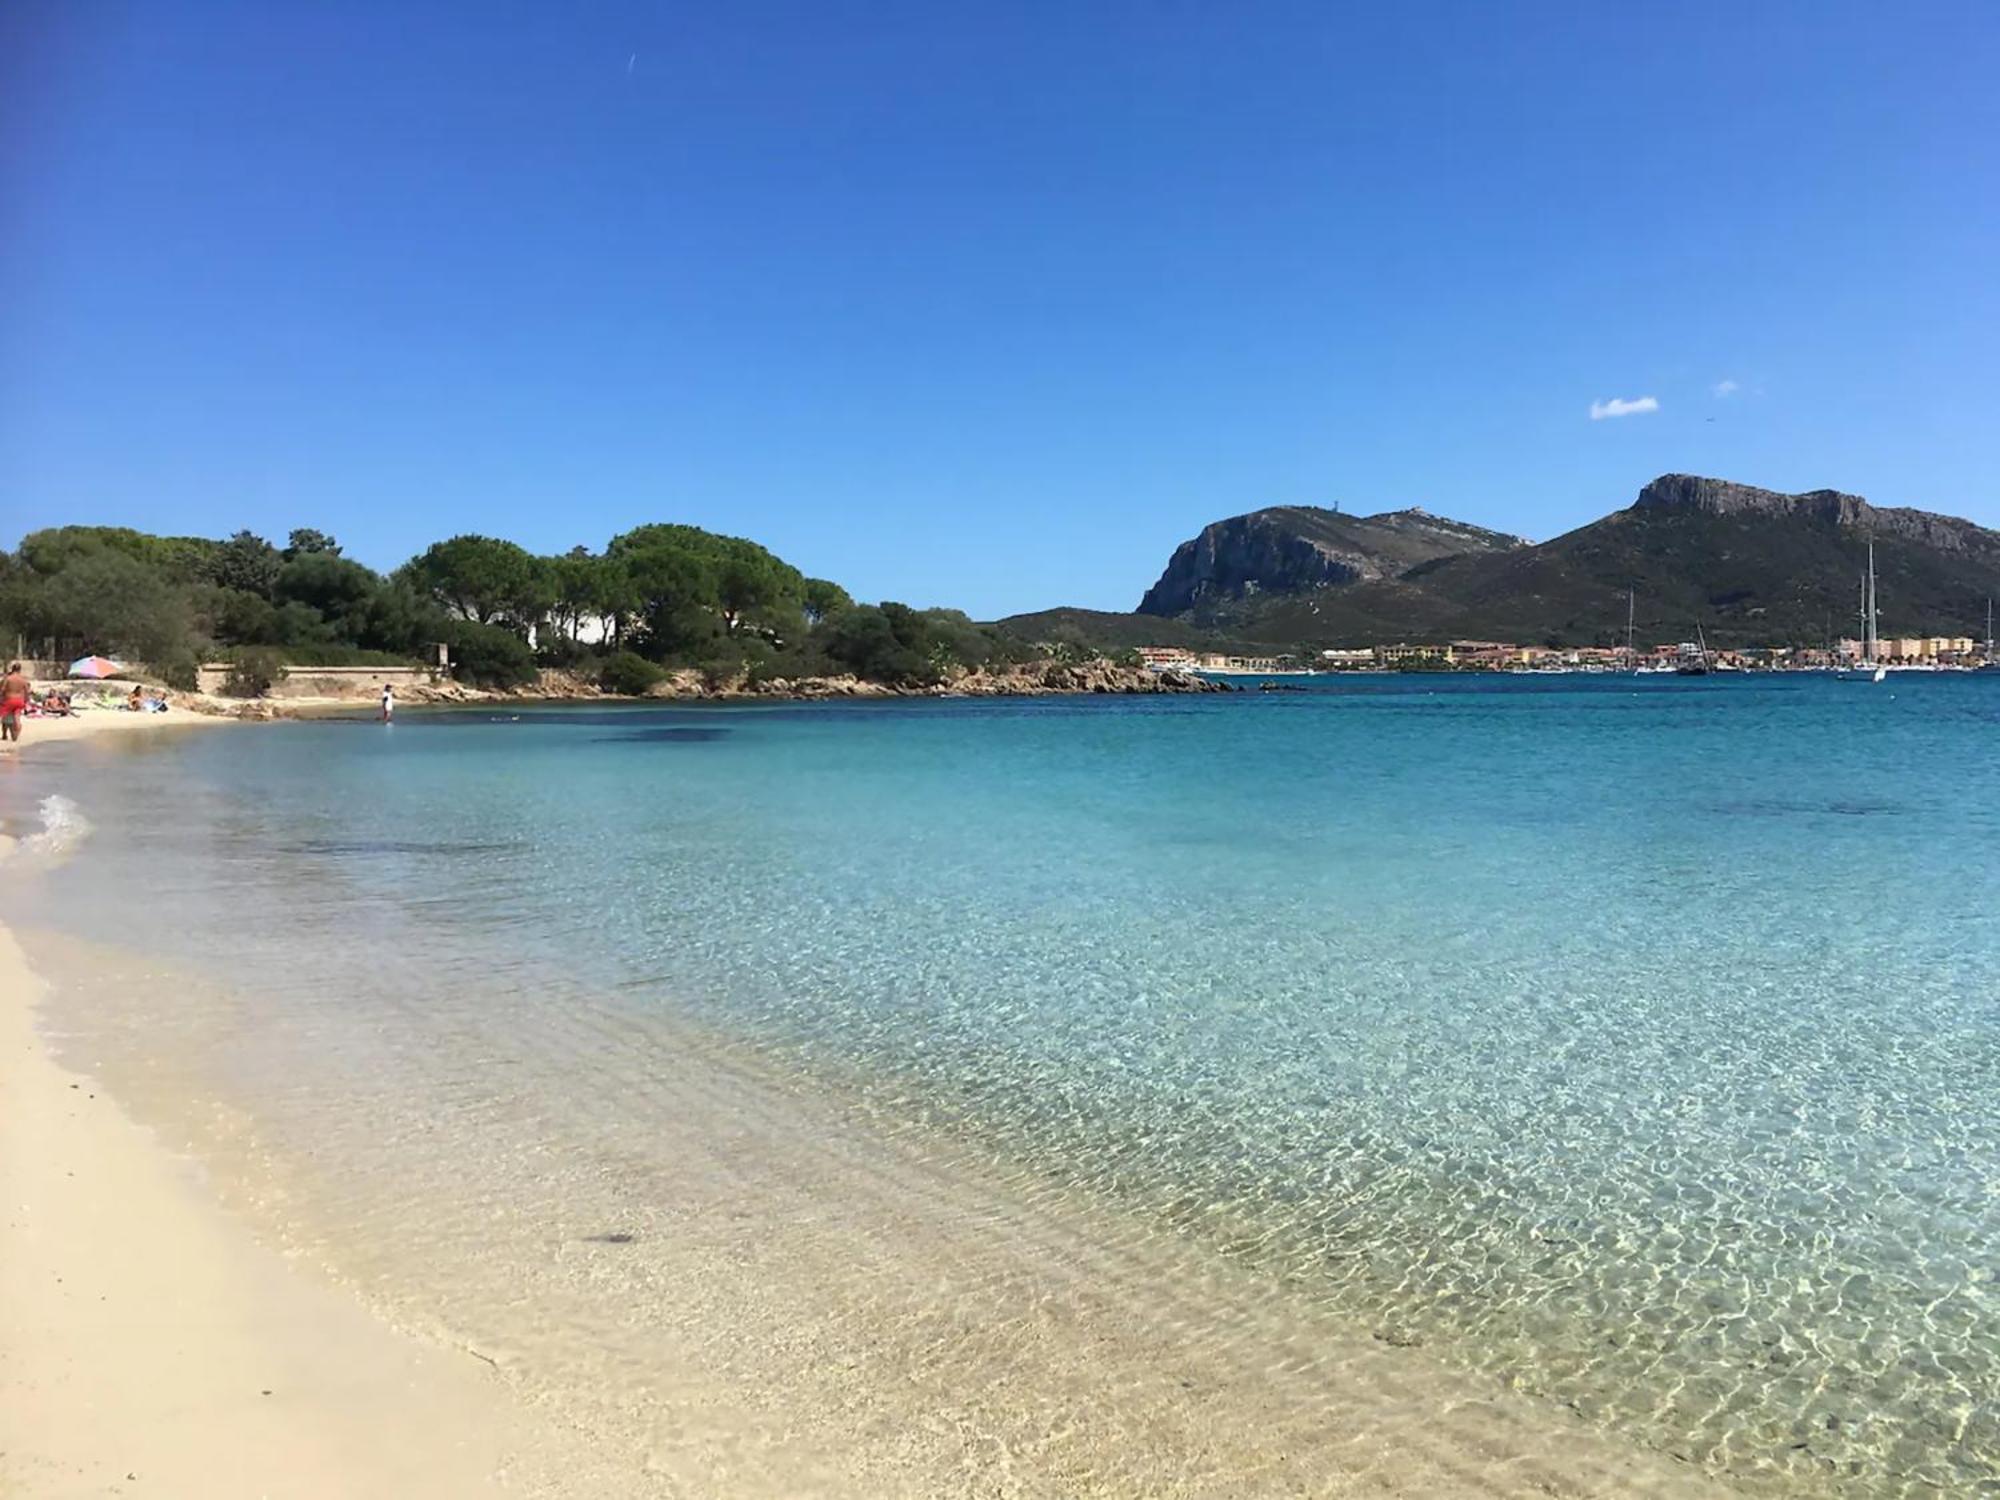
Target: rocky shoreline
[
  {"x": 1031, "y": 679},
  {"x": 1035, "y": 679}
]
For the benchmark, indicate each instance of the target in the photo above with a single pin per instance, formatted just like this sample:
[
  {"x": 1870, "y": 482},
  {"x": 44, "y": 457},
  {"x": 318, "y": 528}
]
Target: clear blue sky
[{"x": 983, "y": 305}]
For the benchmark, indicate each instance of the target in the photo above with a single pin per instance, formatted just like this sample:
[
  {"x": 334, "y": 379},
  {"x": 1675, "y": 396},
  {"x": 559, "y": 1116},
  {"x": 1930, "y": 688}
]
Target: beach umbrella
[{"x": 95, "y": 666}]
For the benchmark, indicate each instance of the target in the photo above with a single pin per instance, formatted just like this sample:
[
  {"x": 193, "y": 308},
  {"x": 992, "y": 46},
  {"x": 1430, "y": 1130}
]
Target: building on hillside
[
  {"x": 1167, "y": 658},
  {"x": 1347, "y": 656}
]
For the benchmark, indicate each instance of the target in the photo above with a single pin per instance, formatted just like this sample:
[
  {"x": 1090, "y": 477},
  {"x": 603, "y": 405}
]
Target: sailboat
[
  {"x": 1871, "y": 669},
  {"x": 1698, "y": 664},
  {"x": 1991, "y": 664}
]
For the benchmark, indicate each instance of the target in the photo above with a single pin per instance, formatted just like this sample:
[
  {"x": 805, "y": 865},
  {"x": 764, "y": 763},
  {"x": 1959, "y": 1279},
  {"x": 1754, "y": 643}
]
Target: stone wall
[{"x": 360, "y": 683}]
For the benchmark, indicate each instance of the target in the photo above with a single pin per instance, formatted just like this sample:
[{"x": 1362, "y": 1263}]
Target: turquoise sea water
[{"x": 1635, "y": 1041}]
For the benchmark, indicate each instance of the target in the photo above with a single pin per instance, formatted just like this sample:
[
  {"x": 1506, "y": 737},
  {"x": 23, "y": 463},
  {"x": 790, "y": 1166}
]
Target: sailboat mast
[
  {"x": 1871, "y": 643},
  {"x": 1632, "y": 619}
]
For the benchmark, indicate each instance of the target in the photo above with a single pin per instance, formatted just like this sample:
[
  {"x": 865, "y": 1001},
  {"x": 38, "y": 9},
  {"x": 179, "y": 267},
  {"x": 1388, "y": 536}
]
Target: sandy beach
[
  {"x": 153, "y": 1346},
  {"x": 810, "y": 1321},
  {"x": 101, "y": 724}
]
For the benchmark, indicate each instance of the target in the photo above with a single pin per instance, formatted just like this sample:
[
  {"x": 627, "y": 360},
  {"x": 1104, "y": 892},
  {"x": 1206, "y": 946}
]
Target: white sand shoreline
[{"x": 149, "y": 1344}]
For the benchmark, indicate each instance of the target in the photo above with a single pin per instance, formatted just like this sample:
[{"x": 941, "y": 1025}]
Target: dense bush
[
  {"x": 252, "y": 674},
  {"x": 179, "y": 668},
  {"x": 106, "y": 599},
  {"x": 628, "y": 674},
  {"x": 554, "y": 650},
  {"x": 488, "y": 655},
  {"x": 893, "y": 643},
  {"x": 865, "y": 641}
]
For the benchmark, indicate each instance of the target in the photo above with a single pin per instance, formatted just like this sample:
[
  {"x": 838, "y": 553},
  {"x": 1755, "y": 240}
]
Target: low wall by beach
[{"x": 326, "y": 682}]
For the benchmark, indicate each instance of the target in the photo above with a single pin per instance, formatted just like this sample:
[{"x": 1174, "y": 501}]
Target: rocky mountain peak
[
  {"x": 1723, "y": 497},
  {"x": 1291, "y": 549}
]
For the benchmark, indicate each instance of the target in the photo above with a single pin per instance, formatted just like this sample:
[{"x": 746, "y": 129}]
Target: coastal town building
[
  {"x": 1211, "y": 661},
  {"x": 1503, "y": 656},
  {"x": 1490, "y": 654},
  {"x": 1407, "y": 655},
  {"x": 1906, "y": 648}
]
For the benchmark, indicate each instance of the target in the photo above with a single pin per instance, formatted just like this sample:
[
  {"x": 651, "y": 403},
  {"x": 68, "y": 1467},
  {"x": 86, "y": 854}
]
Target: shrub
[
  {"x": 883, "y": 643},
  {"x": 252, "y": 673},
  {"x": 553, "y": 650},
  {"x": 489, "y": 655},
  {"x": 178, "y": 668},
  {"x": 725, "y": 663},
  {"x": 628, "y": 674}
]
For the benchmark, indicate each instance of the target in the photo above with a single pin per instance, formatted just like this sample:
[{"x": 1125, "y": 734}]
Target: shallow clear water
[{"x": 1635, "y": 1041}]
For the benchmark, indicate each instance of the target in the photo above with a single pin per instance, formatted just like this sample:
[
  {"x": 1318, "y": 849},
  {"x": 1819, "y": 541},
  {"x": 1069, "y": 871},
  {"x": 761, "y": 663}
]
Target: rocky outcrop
[
  {"x": 1098, "y": 676},
  {"x": 1721, "y": 497},
  {"x": 1028, "y": 679},
  {"x": 1292, "y": 549},
  {"x": 1243, "y": 555},
  {"x": 1031, "y": 679},
  {"x": 1023, "y": 680}
]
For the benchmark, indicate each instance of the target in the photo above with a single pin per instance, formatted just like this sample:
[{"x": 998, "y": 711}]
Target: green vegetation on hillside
[{"x": 656, "y": 597}]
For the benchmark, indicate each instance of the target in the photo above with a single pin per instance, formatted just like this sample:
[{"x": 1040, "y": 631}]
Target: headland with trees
[{"x": 656, "y": 600}]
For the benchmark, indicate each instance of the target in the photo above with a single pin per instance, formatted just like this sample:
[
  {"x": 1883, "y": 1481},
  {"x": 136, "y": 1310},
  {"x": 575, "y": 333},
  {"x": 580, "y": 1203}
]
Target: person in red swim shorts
[{"x": 13, "y": 701}]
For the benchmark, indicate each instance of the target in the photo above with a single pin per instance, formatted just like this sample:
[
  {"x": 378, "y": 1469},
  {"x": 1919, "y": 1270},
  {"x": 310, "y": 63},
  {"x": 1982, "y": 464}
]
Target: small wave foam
[{"x": 63, "y": 827}]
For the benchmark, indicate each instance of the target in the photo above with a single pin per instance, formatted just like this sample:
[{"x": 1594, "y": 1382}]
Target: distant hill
[
  {"x": 1289, "y": 549},
  {"x": 1109, "y": 630},
  {"x": 1747, "y": 566}
]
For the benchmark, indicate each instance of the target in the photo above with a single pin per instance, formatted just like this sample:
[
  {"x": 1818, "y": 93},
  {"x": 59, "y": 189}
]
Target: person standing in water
[
  {"x": 13, "y": 701},
  {"x": 388, "y": 703}
]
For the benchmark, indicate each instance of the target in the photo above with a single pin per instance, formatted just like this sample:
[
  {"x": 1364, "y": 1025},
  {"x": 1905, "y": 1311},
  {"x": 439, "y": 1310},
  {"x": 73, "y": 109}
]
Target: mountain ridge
[{"x": 1744, "y": 564}]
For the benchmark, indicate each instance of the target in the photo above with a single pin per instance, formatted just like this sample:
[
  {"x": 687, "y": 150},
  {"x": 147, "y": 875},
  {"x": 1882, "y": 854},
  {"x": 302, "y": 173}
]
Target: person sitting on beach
[
  {"x": 137, "y": 702},
  {"x": 14, "y": 689}
]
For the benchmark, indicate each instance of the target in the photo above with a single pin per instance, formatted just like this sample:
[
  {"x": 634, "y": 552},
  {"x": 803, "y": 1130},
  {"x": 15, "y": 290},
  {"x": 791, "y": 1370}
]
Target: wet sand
[
  {"x": 150, "y": 1345},
  {"x": 771, "y": 1300},
  {"x": 101, "y": 724}
]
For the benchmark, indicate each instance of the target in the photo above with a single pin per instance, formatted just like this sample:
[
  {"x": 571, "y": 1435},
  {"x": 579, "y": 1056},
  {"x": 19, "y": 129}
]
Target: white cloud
[
  {"x": 1722, "y": 390},
  {"x": 1618, "y": 406}
]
